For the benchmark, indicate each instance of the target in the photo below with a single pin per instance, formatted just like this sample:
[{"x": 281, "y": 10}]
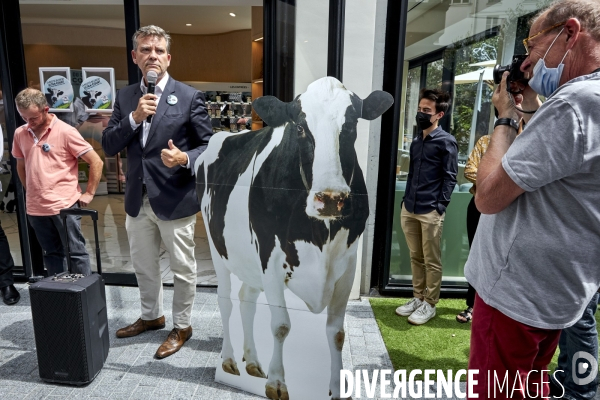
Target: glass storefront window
[
  {"x": 218, "y": 50},
  {"x": 85, "y": 36},
  {"x": 8, "y": 201},
  {"x": 454, "y": 46},
  {"x": 212, "y": 50}
]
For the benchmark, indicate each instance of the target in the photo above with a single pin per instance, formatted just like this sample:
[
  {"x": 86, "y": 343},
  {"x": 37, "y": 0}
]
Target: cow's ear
[
  {"x": 271, "y": 110},
  {"x": 376, "y": 104}
]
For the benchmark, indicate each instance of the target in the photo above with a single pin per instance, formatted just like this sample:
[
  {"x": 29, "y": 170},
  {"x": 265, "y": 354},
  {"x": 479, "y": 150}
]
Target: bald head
[{"x": 587, "y": 12}]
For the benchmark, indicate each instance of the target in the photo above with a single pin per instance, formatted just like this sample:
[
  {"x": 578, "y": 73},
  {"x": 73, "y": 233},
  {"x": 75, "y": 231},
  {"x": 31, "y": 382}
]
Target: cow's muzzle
[{"x": 330, "y": 204}]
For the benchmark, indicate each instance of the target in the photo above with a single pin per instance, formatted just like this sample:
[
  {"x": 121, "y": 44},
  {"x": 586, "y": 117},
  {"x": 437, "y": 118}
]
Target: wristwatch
[{"x": 507, "y": 121}]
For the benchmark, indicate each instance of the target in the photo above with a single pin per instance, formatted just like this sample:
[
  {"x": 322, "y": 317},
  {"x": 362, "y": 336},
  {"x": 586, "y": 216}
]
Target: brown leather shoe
[
  {"x": 140, "y": 326},
  {"x": 174, "y": 341}
]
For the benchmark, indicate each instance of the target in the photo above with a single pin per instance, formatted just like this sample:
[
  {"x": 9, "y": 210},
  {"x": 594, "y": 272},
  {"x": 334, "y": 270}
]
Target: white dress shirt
[{"x": 158, "y": 91}]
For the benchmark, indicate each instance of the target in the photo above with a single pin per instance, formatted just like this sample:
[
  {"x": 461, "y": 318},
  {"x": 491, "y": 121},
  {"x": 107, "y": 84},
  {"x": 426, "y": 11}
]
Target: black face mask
[{"x": 423, "y": 120}]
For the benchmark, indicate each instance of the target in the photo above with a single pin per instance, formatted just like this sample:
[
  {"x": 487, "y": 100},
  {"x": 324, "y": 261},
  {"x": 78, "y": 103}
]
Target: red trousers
[{"x": 509, "y": 355}]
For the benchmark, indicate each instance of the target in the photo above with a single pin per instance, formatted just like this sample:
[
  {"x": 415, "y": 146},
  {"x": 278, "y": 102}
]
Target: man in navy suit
[{"x": 160, "y": 196}]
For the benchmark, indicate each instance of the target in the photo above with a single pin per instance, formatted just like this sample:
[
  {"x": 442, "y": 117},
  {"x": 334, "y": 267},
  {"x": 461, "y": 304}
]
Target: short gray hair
[
  {"x": 30, "y": 97},
  {"x": 152, "y": 30},
  {"x": 586, "y": 11}
]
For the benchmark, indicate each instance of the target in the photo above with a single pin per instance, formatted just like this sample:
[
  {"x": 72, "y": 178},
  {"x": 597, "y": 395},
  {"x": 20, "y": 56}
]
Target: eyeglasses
[{"x": 526, "y": 40}]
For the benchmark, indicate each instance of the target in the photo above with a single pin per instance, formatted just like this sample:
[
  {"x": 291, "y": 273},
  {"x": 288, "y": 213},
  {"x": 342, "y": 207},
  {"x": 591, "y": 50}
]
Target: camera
[{"x": 514, "y": 68}]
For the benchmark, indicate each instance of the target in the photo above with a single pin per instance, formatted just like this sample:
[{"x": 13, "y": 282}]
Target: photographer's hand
[
  {"x": 495, "y": 189},
  {"x": 503, "y": 102}
]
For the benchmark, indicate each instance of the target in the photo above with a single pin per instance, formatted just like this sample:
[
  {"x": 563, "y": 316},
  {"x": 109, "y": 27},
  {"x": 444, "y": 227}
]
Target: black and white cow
[
  {"x": 91, "y": 97},
  {"x": 52, "y": 95},
  {"x": 284, "y": 207}
]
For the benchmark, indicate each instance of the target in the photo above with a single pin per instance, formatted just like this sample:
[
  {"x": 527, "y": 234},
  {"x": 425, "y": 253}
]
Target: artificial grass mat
[{"x": 441, "y": 343}]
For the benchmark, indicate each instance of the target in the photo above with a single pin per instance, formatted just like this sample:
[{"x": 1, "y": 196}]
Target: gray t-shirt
[{"x": 538, "y": 260}]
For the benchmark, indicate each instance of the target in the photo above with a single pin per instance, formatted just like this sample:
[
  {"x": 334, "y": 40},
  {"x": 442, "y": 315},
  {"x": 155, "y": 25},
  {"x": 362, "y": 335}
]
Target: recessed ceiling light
[
  {"x": 188, "y": 24},
  {"x": 232, "y": 14},
  {"x": 306, "y": 41}
]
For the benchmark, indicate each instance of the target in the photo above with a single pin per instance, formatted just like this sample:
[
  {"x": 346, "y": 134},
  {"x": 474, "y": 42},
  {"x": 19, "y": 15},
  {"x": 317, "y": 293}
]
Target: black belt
[{"x": 144, "y": 189}]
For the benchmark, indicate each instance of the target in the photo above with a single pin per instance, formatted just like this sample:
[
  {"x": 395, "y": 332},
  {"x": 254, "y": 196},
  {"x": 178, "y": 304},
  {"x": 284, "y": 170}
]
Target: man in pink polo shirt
[{"x": 47, "y": 152}]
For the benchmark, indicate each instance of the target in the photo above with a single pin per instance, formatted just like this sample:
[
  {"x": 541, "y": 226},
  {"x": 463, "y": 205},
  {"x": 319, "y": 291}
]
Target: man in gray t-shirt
[{"x": 534, "y": 260}]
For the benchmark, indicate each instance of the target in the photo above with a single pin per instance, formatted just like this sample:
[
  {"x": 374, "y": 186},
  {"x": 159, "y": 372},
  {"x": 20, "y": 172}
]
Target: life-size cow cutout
[{"x": 284, "y": 207}]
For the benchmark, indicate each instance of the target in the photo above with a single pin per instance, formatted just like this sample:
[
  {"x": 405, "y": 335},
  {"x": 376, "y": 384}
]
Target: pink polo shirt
[{"x": 52, "y": 176}]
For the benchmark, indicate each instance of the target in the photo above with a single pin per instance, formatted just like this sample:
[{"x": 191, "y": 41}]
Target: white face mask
[{"x": 545, "y": 80}]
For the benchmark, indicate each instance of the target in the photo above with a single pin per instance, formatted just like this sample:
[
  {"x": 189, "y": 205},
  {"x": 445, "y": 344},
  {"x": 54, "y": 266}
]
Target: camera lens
[
  {"x": 498, "y": 71},
  {"x": 514, "y": 68}
]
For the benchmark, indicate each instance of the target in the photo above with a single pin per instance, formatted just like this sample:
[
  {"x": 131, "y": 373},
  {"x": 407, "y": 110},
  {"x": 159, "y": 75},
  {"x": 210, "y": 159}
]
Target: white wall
[
  {"x": 312, "y": 18},
  {"x": 364, "y": 43}
]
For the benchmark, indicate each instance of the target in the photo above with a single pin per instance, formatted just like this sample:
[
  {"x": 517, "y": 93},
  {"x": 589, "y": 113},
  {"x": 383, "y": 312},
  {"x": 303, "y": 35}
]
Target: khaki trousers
[
  {"x": 145, "y": 233},
  {"x": 423, "y": 234}
]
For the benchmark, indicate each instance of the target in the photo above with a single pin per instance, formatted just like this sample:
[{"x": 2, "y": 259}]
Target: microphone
[{"x": 151, "y": 77}]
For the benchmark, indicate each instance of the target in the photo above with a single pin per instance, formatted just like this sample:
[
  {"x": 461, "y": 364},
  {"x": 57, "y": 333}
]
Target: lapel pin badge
[
  {"x": 171, "y": 100},
  {"x": 46, "y": 147}
]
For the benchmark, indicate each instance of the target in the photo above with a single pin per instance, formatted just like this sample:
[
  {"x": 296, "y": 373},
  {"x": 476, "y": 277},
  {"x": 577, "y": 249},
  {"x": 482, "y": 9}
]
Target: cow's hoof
[
  {"x": 254, "y": 369},
  {"x": 230, "y": 367},
  {"x": 277, "y": 390}
]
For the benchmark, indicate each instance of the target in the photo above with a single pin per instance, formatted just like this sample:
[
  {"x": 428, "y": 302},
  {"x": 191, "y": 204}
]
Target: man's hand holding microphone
[{"x": 147, "y": 104}]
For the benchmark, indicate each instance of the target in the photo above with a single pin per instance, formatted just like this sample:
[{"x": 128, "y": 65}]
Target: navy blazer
[{"x": 171, "y": 191}]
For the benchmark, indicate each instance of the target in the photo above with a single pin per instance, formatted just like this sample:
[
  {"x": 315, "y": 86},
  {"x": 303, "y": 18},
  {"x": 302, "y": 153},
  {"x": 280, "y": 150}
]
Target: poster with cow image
[
  {"x": 55, "y": 83},
  {"x": 97, "y": 91},
  {"x": 284, "y": 208}
]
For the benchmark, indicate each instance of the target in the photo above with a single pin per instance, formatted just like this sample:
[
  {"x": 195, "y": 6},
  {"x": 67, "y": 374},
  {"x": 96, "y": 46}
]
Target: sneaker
[
  {"x": 409, "y": 307},
  {"x": 422, "y": 314}
]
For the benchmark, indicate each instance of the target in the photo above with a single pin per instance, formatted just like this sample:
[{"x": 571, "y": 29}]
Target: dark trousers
[
  {"x": 6, "y": 261},
  {"x": 581, "y": 337},
  {"x": 473, "y": 215},
  {"x": 50, "y": 232}
]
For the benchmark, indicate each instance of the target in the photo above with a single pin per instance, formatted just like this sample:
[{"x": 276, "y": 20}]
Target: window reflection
[
  {"x": 8, "y": 202},
  {"x": 454, "y": 45},
  {"x": 76, "y": 36}
]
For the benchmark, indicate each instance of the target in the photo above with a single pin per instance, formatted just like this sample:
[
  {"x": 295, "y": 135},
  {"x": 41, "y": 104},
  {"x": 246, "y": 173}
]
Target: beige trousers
[
  {"x": 145, "y": 233},
  {"x": 423, "y": 234}
]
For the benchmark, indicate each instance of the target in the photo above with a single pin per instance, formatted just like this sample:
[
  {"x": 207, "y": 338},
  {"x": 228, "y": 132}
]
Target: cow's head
[
  {"x": 323, "y": 120},
  {"x": 55, "y": 94},
  {"x": 93, "y": 95}
]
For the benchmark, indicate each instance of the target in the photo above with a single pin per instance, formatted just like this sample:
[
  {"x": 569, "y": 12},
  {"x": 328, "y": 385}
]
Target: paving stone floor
[{"x": 131, "y": 372}]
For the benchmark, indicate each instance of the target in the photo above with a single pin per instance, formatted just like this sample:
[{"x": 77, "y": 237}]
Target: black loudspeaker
[{"x": 70, "y": 322}]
